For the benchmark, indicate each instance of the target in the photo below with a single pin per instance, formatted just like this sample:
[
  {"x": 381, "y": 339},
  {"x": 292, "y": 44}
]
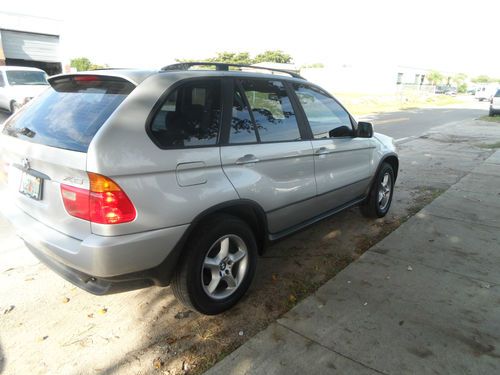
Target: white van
[
  {"x": 486, "y": 92},
  {"x": 18, "y": 85}
]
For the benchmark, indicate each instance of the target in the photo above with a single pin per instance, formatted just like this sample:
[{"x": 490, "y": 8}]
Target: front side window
[
  {"x": 272, "y": 110},
  {"x": 326, "y": 117},
  {"x": 190, "y": 116}
]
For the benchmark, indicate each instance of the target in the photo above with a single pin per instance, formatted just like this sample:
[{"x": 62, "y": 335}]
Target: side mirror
[
  {"x": 365, "y": 130},
  {"x": 341, "y": 131}
]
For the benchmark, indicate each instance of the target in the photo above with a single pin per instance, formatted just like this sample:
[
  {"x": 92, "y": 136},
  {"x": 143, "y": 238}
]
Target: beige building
[{"x": 30, "y": 41}]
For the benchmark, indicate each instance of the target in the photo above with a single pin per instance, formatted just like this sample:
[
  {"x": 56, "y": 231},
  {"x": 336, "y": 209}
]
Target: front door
[{"x": 342, "y": 162}]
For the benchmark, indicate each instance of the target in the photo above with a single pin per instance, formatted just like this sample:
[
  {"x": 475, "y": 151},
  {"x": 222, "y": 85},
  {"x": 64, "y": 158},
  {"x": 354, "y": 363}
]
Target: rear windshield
[
  {"x": 26, "y": 77},
  {"x": 69, "y": 114}
]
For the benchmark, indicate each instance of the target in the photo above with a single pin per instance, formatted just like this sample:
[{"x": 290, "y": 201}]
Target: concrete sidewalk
[{"x": 426, "y": 299}]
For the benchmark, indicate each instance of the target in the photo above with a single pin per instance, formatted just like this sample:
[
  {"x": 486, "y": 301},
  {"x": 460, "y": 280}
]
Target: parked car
[
  {"x": 495, "y": 104},
  {"x": 122, "y": 179},
  {"x": 486, "y": 92},
  {"x": 18, "y": 85}
]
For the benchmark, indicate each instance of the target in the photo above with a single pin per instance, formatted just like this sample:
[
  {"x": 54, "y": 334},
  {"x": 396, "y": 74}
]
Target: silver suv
[{"x": 122, "y": 179}]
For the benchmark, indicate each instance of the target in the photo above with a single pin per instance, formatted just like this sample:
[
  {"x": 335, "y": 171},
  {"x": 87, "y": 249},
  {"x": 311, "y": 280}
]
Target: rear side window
[
  {"x": 242, "y": 127},
  {"x": 190, "y": 116},
  {"x": 69, "y": 114},
  {"x": 326, "y": 117},
  {"x": 272, "y": 110}
]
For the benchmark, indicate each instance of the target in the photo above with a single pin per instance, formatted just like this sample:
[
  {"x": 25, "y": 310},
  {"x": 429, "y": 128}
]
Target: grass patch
[
  {"x": 362, "y": 104},
  {"x": 490, "y": 118}
]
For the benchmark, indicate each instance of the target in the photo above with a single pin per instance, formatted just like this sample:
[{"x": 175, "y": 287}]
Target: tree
[
  {"x": 435, "y": 77},
  {"x": 244, "y": 58},
  {"x": 232, "y": 58},
  {"x": 276, "y": 56},
  {"x": 459, "y": 82},
  {"x": 83, "y": 63},
  {"x": 482, "y": 79}
]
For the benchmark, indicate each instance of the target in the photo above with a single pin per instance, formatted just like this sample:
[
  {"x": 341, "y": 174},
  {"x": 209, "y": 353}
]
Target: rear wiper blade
[{"x": 27, "y": 132}]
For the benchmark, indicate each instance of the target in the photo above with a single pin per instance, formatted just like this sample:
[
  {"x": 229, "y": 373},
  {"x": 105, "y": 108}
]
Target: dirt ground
[{"x": 48, "y": 326}]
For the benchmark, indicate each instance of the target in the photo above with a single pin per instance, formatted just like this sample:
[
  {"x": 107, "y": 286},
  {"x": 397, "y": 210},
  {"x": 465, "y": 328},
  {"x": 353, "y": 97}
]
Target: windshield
[
  {"x": 70, "y": 113},
  {"x": 26, "y": 77}
]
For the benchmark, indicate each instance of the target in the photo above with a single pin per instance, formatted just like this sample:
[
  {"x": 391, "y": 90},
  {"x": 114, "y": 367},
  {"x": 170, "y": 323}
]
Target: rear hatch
[{"x": 45, "y": 145}]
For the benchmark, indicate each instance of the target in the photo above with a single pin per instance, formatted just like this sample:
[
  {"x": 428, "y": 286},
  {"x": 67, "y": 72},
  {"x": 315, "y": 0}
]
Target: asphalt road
[{"x": 413, "y": 123}]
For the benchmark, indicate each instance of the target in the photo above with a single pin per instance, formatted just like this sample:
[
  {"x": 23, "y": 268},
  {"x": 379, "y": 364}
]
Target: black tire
[
  {"x": 492, "y": 113},
  {"x": 372, "y": 207},
  {"x": 189, "y": 284}
]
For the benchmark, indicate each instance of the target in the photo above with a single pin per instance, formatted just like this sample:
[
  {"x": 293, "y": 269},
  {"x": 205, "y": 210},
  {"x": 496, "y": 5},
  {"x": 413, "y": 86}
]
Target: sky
[{"x": 451, "y": 36}]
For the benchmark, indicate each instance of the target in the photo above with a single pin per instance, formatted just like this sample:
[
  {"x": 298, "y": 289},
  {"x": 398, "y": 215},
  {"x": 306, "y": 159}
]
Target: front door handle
[
  {"x": 322, "y": 151},
  {"x": 247, "y": 159}
]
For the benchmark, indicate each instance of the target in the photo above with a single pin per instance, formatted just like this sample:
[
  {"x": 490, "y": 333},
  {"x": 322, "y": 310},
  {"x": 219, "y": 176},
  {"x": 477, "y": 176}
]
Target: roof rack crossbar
[{"x": 225, "y": 67}]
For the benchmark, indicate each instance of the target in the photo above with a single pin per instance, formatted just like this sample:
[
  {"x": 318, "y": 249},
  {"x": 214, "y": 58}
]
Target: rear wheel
[
  {"x": 219, "y": 266},
  {"x": 380, "y": 196}
]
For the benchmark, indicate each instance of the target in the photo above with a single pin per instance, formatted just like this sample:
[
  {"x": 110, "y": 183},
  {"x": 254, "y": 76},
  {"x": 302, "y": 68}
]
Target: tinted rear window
[{"x": 69, "y": 114}]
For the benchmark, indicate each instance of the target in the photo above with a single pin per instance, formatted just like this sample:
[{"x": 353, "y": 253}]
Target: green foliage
[
  {"x": 462, "y": 88},
  {"x": 232, "y": 58},
  {"x": 435, "y": 77},
  {"x": 482, "y": 79},
  {"x": 244, "y": 58},
  {"x": 276, "y": 56},
  {"x": 83, "y": 63}
]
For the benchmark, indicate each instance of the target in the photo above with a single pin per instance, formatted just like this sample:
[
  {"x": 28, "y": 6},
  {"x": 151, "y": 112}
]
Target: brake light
[
  {"x": 83, "y": 78},
  {"x": 104, "y": 203}
]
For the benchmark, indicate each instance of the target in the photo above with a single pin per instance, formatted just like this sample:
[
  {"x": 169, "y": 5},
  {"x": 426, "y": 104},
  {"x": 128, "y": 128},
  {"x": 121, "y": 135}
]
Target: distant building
[
  {"x": 374, "y": 78},
  {"x": 30, "y": 41}
]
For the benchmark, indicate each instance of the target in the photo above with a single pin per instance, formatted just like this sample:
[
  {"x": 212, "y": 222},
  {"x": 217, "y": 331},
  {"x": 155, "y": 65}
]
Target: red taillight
[
  {"x": 104, "y": 203},
  {"x": 76, "y": 201}
]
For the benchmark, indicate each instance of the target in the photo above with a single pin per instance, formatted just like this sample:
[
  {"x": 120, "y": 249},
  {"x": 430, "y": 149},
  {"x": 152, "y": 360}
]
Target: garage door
[{"x": 29, "y": 46}]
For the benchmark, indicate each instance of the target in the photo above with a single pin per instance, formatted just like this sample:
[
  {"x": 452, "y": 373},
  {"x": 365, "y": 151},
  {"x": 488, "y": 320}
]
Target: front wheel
[
  {"x": 379, "y": 199},
  {"x": 219, "y": 264}
]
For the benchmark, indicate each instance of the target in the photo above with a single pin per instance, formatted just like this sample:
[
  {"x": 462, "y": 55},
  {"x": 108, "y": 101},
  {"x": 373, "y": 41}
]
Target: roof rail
[{"x": 225, "y": 67}]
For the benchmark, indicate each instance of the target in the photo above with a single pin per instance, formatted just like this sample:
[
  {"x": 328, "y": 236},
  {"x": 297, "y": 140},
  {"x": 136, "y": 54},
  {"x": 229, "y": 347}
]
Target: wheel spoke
[
  {"x": 211, "y": 263},
  {"x": 237, "y": 256},
  {"x": 224, "y": 249},
  {"x": 214, "y": 283},
  {"x": 229, "y": 279}
]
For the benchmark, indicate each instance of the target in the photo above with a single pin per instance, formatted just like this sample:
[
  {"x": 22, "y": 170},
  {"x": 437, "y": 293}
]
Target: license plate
[{"x": 31, "y": 186}]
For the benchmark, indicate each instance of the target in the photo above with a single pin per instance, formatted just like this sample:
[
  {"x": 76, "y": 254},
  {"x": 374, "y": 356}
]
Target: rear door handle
[{"x": 247, "y": 159}]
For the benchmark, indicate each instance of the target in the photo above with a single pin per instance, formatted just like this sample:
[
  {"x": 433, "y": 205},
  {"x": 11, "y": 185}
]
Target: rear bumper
[{"x": 110, "y": 259}]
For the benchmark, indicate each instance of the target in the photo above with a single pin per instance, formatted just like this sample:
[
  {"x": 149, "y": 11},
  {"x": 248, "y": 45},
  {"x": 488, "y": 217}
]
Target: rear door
[
  {"x": 342, "y": 162},
  {"x": 45, "y": 144},
  {"x": 266, "y": 155}
]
